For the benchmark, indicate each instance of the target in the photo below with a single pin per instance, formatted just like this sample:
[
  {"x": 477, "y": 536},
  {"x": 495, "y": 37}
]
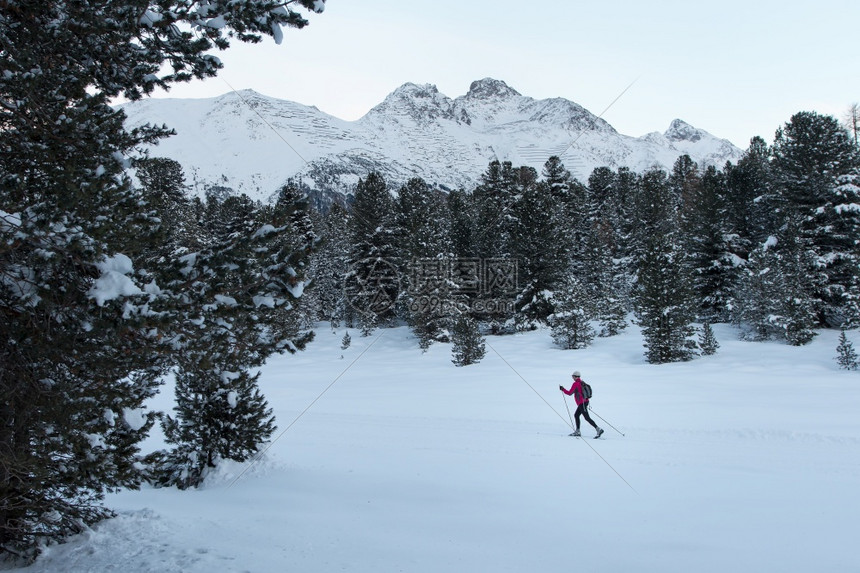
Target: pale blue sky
[{"x": 734, "y": 68}]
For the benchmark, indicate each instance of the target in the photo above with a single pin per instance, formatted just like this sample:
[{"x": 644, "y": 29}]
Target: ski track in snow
[{"x": 744, "y": 461}]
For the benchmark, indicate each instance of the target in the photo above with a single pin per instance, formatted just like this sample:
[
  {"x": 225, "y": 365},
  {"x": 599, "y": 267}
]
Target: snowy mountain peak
[
  {"x": 242, "y": 102},
  {"x": 246, "y": 95},
  {"x": 253, "y": 143},
  {"x": 570, "y": 115},
  {"x": 411, "y": 90},
  {"x": 423, "y": 104},
  {"x": 488, "y": 88},
  {"x": 680, "y": 130}
]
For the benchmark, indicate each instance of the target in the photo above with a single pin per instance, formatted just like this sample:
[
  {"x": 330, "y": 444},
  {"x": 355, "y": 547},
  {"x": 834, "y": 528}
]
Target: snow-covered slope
[
  {"x": 390, "y": 459},
  {"x": 253, "y": 143}
]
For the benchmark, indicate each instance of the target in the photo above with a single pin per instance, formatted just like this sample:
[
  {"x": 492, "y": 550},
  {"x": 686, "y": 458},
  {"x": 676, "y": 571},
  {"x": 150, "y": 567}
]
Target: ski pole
[
  {"x": 568, "y": 410},
  {"x": 602, "y": 418}
]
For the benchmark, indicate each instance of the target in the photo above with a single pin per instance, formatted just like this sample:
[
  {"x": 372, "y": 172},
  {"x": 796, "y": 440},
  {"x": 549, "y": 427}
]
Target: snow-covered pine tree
[
  {"x": 423, "y": 238},
  {"x": 540, "y": 249},
  {"x": 846, "y": 356},
  {"x": 599, "y": 192},
  {"x": 328, "y": 266},
  {"x": 297, "y": 242},
  {"x": 163, "y": 183},
  {"x": 713, "y": 268},
  {"x": 602, "y": 264},
  {"x": 753, "y": 209},
  {"x": 812, "y": 156},
  {"x": 612, "y": 307},
  {"x": 664, "y": 305},
  {"x": 373, "y": 282},
  {"x": 494, "y": 239},
  {"x": 569, "y": 198},
  {"x": 707, "y": 340},
  {"x": 82, "y": 344},
  {"x": 292, "y": 207},
  {"x": 795, "y": 314},
  {"x": 683, "y": 182},
  {"x": 774, "y": 300},
  {"x": 798, "y": 320},
  {"x": 844, "y": 268},
  {"x": 655, "y": 213},
  {"x": 77, "y": 363},
  {"x": 618, "y": 278},
  {"x": 244, "y": 285},
  {"x": 622, "y": 213},
  {"x": 559, "y": 179},
  {"x": 574, "y": 311},
  {"x": 493, "y": 199},
  {"x": 575, "y": 228},
  {"x": 462, "y": 223},
  {"x": 851, "y": 122},
  {"x": 467, "y": 343},
  {"x": 219, "y": 414},
  {"x": 758, "y": 287},
  {"x": 663, "y": 299}
]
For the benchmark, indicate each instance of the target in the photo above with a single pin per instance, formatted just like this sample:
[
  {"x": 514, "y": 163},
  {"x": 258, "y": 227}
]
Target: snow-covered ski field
[{"x": 748, "y": 460}]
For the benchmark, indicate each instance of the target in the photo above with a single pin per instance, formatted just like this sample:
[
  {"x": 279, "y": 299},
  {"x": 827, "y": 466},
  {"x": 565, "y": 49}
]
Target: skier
[{"x": 581, "y": 404}]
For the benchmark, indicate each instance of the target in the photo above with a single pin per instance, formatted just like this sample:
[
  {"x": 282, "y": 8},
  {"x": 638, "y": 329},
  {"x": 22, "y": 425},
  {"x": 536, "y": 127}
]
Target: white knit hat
[{"x": 576, "y": 373}]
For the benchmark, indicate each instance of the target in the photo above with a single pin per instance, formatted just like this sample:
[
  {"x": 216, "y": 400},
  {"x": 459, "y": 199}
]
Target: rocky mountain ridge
[{"x": 252, "y": 143}]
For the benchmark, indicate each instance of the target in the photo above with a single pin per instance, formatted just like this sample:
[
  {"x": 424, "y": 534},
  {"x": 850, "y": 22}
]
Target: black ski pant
[{"x": 582, "y": 410}]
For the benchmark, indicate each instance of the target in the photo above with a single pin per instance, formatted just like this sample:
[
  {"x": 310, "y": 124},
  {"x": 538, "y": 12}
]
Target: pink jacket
[{"x": 576, "y": 390}]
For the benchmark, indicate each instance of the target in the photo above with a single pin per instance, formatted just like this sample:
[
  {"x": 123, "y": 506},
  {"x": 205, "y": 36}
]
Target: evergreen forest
[{"x": 769, "y": 244}]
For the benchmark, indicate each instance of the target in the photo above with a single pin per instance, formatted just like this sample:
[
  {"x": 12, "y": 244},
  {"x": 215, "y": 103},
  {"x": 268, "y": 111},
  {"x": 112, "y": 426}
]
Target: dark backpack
[{"x": 586, "y": 391}]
